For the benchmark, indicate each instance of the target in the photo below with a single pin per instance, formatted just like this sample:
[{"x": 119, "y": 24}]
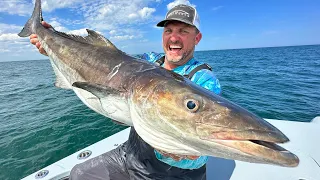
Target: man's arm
[
  {"x": 35, "y": 41},
  {"x": 206, "y": 79},
  {"x": 150, "y": 56}
]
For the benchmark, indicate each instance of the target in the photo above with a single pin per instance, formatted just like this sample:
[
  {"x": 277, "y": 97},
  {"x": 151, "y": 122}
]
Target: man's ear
[{"x": 198, "y": 37}]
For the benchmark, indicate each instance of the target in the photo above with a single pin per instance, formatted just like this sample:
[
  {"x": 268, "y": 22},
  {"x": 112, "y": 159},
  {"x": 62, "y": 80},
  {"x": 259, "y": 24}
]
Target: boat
[{"x": 304, "y": 142}]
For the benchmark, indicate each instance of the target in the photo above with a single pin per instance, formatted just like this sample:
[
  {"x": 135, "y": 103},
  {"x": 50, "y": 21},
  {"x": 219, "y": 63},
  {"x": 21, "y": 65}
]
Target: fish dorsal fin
[
  {"x": 99, "y": 40},
  {"x": 93, "y": 38}
]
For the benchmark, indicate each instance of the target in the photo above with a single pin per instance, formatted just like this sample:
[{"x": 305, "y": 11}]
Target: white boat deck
[{"x": 304, "y": 142}]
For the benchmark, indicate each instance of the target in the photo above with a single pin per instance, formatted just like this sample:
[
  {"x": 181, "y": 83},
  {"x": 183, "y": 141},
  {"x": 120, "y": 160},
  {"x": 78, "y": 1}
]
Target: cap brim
[{"x": 162, "y": 23}]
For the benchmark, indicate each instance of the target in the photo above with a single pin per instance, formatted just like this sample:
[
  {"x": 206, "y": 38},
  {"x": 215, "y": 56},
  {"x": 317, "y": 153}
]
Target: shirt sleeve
[
  {"x": 151, "y": 56},
  {"x": 206, "y": 79}
]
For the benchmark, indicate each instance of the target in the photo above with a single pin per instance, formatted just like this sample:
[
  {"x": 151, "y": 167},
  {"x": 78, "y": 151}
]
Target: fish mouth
[{"x": 263, "y": 151}]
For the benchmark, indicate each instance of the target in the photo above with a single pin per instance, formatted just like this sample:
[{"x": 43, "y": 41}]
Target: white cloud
[
  {"x": 133, "y": 16},
  {"x": 126, "y": 34},
  {"x": 4, "y": 50},
  {"x": 119, "y": 19},
  {"x": 58, "y": 27},
  {"x": 9, "y": 37},
  {"x": 176, "y": 2},
  {"x": 11, "y": 42},
  {"x": 50, "y": 5},
  {"x": 25, "y": 7},
  {"x": 80, "y": 32},
  {"x": 19, "y": 7},
  {"x": 146, "y": 12},
  {"x": 217, "y": 8},
  {"x": 121, "y": 38},
  {"x": 9, "y": 28},
  {"x": 112, "y": 14},
  {"x": 112, "y": 32},
  {"x": 143, "y": 13},
  {"x": 144, "y": 40}
]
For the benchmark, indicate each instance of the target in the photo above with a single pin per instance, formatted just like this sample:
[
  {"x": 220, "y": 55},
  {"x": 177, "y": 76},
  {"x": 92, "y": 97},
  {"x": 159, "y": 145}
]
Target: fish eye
[{"x": 192, "y": 105}]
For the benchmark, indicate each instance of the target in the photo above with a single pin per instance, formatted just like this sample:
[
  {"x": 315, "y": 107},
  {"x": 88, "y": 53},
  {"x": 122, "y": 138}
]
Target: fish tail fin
[{"x": 35, "y": 20}]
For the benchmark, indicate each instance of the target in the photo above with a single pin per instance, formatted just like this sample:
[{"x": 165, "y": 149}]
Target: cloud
[
  {"x": 11, "y": 42},
  {"x": 4, "y": 50},
  {"x": 112, "y": 14},
  {"x": 121, "y": 20},
  {"x": 121, "y": 38},
  {"x": 19, "y": 7},
  {"x": 9, "y": 37},
  {"x": 176, "y": 2},
  {"x": 112, "y": 32},
  {"x": 146, "y": 12},
  {"x": 8, "y": 28},
  {"x": 57, "y": 25},
  {"x": 54, "y": 22},
  {"x": 80, "y": 32},
  {"x": 50, "y": 5},
  {"x": 217, "y": 8},
  {"x": 99, "y": 15},
  {"x": 144, "y": 40},
  {"x": 126, "y": 34},
  {"x": 25, "y": 7}
]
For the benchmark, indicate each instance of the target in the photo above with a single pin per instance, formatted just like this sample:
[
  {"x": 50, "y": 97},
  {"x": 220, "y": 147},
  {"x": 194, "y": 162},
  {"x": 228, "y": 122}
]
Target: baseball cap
[{"x": 182, "y": 13}]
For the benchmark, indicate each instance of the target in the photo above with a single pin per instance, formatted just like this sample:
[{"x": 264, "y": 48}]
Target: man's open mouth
[{"x": 175, "y": 48}]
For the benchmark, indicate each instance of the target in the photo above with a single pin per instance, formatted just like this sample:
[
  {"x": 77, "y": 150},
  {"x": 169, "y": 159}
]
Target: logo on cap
[{"x": 178, "y": 12}]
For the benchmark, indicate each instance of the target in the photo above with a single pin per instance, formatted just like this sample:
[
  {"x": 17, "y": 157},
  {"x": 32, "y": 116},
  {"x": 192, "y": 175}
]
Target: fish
[{"x": 167, "y": 110}]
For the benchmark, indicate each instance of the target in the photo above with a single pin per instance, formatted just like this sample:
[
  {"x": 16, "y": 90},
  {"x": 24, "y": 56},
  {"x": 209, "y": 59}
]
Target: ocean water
[{"x": 41, "y": 124}]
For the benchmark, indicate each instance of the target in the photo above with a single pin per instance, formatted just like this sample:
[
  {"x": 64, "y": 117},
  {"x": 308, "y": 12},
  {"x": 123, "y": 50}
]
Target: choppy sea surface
[{"x": 41, "y": 124}]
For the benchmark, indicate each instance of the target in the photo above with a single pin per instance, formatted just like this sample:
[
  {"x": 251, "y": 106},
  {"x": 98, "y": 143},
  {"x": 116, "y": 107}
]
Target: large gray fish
[{"x": 168, "y": 111}]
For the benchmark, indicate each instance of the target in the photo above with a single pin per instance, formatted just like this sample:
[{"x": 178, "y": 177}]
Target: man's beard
[
  {"x": 176, "y": 60},
  {"x": 180, "y": 60}
]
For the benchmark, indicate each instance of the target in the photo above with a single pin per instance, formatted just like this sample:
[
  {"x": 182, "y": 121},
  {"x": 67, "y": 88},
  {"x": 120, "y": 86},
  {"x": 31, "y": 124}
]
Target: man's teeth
[{"x": 174, "y": 47}]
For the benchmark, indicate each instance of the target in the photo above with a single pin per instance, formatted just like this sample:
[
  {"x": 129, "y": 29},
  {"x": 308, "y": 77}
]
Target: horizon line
[{"x": 195, "y": 51}]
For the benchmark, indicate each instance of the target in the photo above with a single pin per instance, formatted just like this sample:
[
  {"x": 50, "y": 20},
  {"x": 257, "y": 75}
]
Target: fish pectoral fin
[
  {"x": 113, "y": 101},
  {"x": 61, "y": 81},
  {"x": 97, "y": 89}
]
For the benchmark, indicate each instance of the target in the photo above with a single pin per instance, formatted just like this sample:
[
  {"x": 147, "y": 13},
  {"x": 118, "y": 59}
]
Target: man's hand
[
  {"x": 177, "y": 157},
  {"x": 34, "y": 39}
]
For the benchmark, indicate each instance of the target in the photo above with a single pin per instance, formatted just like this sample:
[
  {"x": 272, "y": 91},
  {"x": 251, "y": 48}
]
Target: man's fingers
[
  {"x": 34, "y": 41},
  {"x": 33, "y": 36},
  {"x": 45, "y": 24},
  {"x": 42, "y": 51},
  {"x": 192, "y": 157},
  {"x": 38, "y": 45}
]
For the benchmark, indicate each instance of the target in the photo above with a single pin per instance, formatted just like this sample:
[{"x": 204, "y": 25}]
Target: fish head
[{"x": 196, "y": 121}]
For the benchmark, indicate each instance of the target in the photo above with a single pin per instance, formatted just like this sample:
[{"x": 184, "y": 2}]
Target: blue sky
[{"x": 130, "y": 25}]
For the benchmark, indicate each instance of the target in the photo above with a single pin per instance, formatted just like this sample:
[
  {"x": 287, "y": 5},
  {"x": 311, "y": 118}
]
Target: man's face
[{"x": 179, "y": 40}]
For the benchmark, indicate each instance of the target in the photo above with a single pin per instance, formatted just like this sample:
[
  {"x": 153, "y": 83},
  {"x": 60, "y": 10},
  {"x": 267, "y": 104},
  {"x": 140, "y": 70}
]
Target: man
[{"x": 135, "y": 159}]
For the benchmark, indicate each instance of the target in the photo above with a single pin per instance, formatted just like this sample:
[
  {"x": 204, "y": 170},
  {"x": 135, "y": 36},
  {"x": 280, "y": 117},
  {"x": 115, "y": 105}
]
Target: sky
[{"x": 131, "y": 24}]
